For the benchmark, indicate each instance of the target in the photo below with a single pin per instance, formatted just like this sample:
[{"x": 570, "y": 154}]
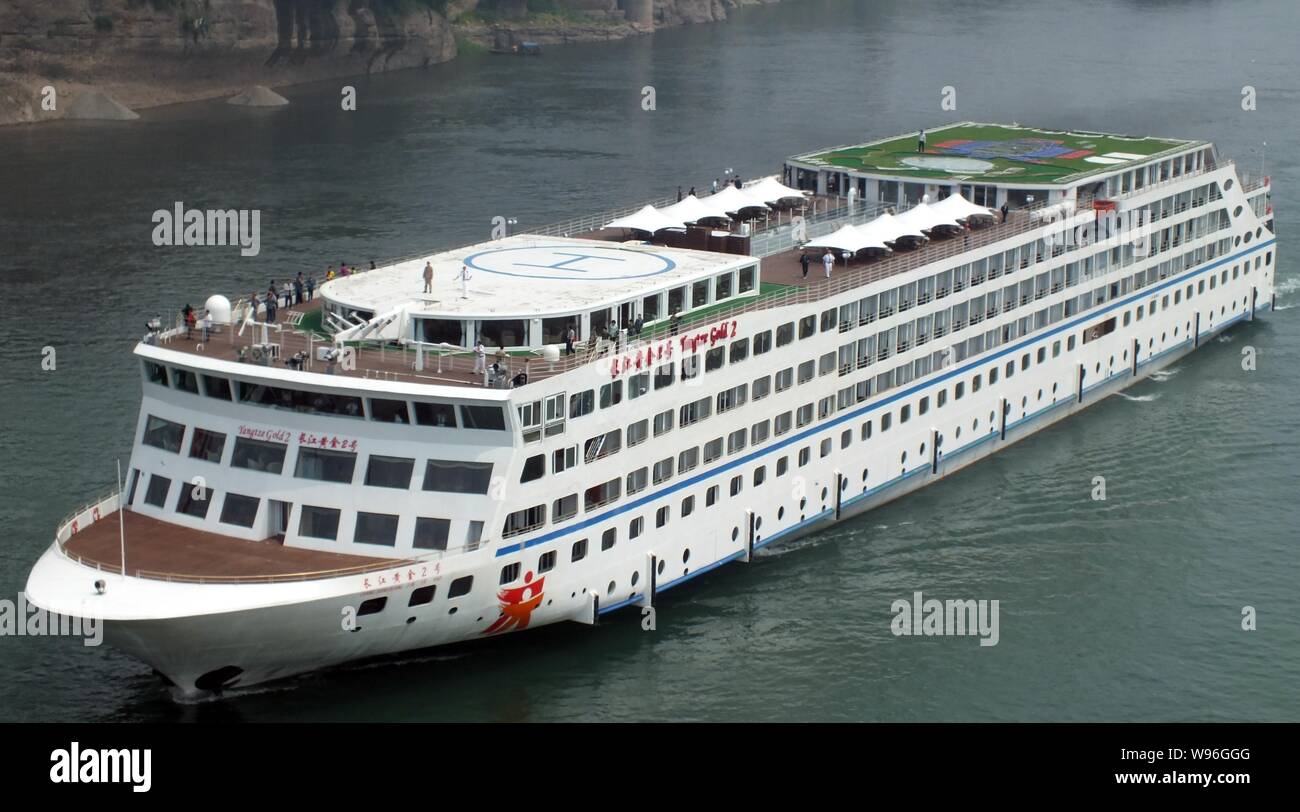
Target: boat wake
[
  {"x": 1162, "y": 375},
  {"x": 1139, "y": 398}
]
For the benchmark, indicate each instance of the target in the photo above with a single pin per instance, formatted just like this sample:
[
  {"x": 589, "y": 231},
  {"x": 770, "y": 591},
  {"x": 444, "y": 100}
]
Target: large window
[
  {"x": 239, "y": 510},
  {"x": 217, "y": 388},
  {"x": 319, "y": 522},
  {"x": 453, "y": 476},
  {"x": 328, "y": 466},
  {"x": 300, "y": 401},
  {"x": 522, "y": 521},
  {"x": 389, "y": 411},
  {"x": 602, "y": 494},
  {"x": 431, "y": 534},
  {"x": 389, "y": 472},
  {"x": 163, "y": 434},
  {"x": 483, "y": 417},
  {"x": 376, "y": 528},
  {"x": 156, "y": 494},
  {"x": 194, "y": 501},
  {"x": 207, "y": 445},
  {"x": 258, "y": 455},
  {"x": 435, "y": 414}
]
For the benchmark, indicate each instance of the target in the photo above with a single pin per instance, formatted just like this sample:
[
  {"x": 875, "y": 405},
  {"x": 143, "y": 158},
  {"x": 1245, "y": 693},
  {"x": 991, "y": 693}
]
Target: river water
[{"x": 1127, "y": 609}]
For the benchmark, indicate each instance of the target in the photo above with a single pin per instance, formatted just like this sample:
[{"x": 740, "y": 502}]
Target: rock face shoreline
[{"x": 146, "y": 53}]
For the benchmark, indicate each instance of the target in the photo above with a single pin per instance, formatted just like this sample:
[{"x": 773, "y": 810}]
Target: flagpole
[{"x": 121, "y": 516}]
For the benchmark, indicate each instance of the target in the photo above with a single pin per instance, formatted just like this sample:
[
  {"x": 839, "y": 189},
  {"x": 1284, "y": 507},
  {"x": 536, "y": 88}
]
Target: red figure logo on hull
[{"x": 517, "y": 605}]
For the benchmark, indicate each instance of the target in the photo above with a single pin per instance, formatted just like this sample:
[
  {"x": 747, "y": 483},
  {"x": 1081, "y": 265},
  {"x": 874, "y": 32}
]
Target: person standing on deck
[
  {"x": 297, "y": 289},
  {"x": 674, "y": 323},
  {"x": 270, "y": 303},
  {"x": 679, "y": 194},
  {"x": 692, "y": 192},
  {"x": 570, "y": 336},
  {"x": 311, "y": 286},
  {"x": 920, "y": 144},
  {"x": 207, "y": 326},
  {"x": 828, "y": 261},
  {"x": 714, "y": 189},
  {"x": 428, "y": 277},
  {"x": 805, "y": 261},
  {"x": 1004, "y": 210},
  {"x": 286, "y": 293},
  {"x": 479, "y": 356}
]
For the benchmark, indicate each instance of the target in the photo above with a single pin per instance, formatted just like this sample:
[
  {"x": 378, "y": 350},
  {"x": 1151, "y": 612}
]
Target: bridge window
[
  {"x": 299, "y": 401},
  {"x": 185, "y": 380},
  {"x": 389, "y": 411},
  {"x": 435, "y": 414},
  {"x": 155, "y": 373},
  {"x": 440, "y": 331},
  {"x": 217, "y": 388},
  {"x": 483, "y": 417}
]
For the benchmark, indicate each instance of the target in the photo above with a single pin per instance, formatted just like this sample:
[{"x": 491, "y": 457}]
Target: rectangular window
[
  {"x": 637, "y": 480},
  {"x": 376, "y": 528},
  {"x": 490, "y": 418},
  {"x": 692, "y": 413},
  {"x": 638, "y": 432},
  {"x": 712, "y": 450},
  {"x": 761, "y": 388},
  {"x": 522, "y": 521},
  {"x": 638, "y": 385},
  {"x": 634, "y": 527},
  {"x": 663, "y": 470},
  {"x": 688, "y": 459},
  {"x": 608, "y": 538},
  {"x": 566, "y": 507},
  {"x": 785, "y": 334},
  {"x": 389, "y": 472},
  {"x": 453, "y": 476},
  {"x": 663, "y": 422},
  {"x": 578, "y": 551},
  {"x": 711, "y": 496},
  {"x": 431, "y": 534},
  {"x": 546, "y": 562},
  {"x": 662, "y": 515},
  {"x": 602, "y": 494},
  {"x": 207, "y": 445},
  {"x": 327, "y": 466},
  {"x": 217, "y": 388},
  {"x": 736, "y": 440},
  {"x": 187, "y": 381},
  {"x": 534, "y": 468},
  {"x": 782, "y": 465},
  {"x": 782, "y": 423},
  {"x": 759, "y": 432},
  {"x": 194, "y": 501},
  {"x": 389, "y": 411},
  {"x": 156, "y": 493},
  {"x": 582, "y": 403},
  {"x": 239, "y": 510},
  {"x": 602, "y": 445},
  {"x": 435, "y": 414},
  {"x": 258, "y": 455},
  {"x": 163, "y": 434},
  {"x": 460, "y": 586},
  {"x": 318, "y": 522}
]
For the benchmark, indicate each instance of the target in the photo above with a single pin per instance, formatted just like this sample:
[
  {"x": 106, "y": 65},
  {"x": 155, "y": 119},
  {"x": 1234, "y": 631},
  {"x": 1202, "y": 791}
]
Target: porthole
[
  {"x": 824, "y": 493},
  {"x": 1054, "y": 388},
  {"x": 660, "y": 569},
  {"x": 1259, "y": 232},
  {"x": 636, "y": 576},
  {"x": 864, "y": 474},
  {"x": 1227, "y": 185},
  {"x": 1040, "y": 394},
  {"x": 610, "y": 589},
  {"x": 1236, "y": 212},
  {"x": 803, "y": 502},
  {"x": 452, "y": 610},
  {"x": 903, "y": 459},
  {"x": 921, "y": 452},
  {"x": 844, "y": 483},
  {"x": 686, "y": 555},
  {"x": 735, "y": 533},
  {"x": 1024, "y": 401},
  {"x": 780, "y": 513},
  {"x": 958, "y": 433}
]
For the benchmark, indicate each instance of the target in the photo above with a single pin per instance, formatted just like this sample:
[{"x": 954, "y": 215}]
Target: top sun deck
[
  {"x": 528, "y": 276},
  {"x": 995, "y": 153}
]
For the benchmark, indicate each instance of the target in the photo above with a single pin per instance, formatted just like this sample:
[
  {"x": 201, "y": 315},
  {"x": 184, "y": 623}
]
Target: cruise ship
[{"x": 573, "y": 421}]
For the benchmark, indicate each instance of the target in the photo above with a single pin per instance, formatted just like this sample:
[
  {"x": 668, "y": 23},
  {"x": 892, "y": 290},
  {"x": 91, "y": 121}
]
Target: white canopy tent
[
  {"x": 770, "y": 190},
  {"x": 959, "y": 208},
  {"x": 923, "y": 217},
  {"x": 735, "y": 200},
  {"x": 848, "y": 238},
  {"x": 647, "y": 219},
  {"x": 887, "y": 228},
  {"x": 691, "y": 209}
]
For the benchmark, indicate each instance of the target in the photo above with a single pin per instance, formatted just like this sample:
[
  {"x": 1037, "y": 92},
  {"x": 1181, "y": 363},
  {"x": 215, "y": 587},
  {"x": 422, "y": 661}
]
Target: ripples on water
[{"x": 1122, "y": 609}]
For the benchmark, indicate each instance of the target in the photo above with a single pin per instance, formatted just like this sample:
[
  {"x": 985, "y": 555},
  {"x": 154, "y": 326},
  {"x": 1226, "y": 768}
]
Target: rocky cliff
[{"x": 150, "y": 52}]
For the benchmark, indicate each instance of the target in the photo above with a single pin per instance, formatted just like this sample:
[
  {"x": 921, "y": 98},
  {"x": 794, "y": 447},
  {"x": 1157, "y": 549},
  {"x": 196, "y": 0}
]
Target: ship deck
[
  {"x": 783, "y": 284},
  {"x": 171, "y": 552}
]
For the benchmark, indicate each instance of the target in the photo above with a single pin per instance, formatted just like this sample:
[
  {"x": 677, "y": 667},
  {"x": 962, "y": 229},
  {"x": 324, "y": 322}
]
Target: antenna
[{"x": 121, "y": 516}]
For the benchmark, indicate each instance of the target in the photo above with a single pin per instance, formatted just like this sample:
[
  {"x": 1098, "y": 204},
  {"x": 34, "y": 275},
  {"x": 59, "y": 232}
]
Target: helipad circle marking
[{"x": 570, "y": 262}]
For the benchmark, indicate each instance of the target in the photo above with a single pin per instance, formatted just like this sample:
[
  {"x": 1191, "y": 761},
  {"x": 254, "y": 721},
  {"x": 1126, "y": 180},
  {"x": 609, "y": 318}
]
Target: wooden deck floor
[{"x": 159, "y": 549}]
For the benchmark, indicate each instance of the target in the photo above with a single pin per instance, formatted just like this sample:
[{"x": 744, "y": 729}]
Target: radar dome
[
  {"x": 218, "y": 308},
  {"x": 550, "y": 353}
]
